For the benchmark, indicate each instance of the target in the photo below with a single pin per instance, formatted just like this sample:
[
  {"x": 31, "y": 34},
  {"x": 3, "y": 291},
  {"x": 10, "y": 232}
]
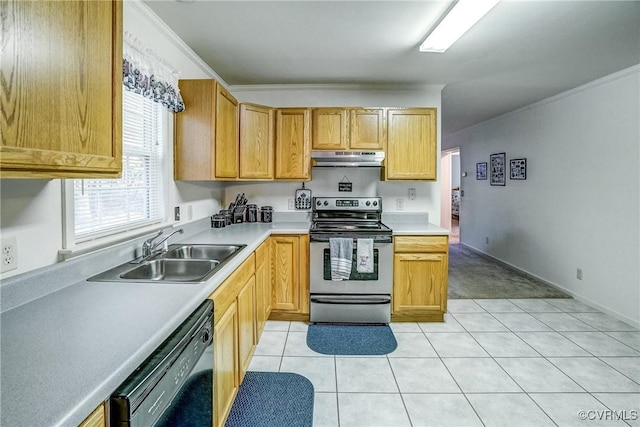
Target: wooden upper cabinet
[
  {"x": 348, "y": 129},
  {"x": 226, "y": 149},
  {"x": 366, "y": 130},
  {"x": 293, "y": 144},
  {"x": 257, "y": 135},
  {"x": 330, "y": 129},
  {"x": 411, "y": 152},
  {"x": 61, "y": 72},
  {"x": 206, "y": 133}
]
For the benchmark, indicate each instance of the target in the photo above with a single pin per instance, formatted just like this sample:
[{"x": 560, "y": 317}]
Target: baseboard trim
[{"x": 574, "y": 295}]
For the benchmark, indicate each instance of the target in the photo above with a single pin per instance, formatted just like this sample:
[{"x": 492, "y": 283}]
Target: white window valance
[{"x": 146, "y": 73}]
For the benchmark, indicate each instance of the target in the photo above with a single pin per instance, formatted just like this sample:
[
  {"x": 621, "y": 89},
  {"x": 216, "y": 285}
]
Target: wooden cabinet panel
[
  {"x": 263, "y": 286},
  {"x": 418, "y": 281},
  {"x": 246, "y": 326},
  {"x": 225, "y": 354},
  {"x": 411, "y": 144},
  {"x": 290, "y": 276},
  {"x": 286, "y": 263},
  {"x": 420, "y": 276},
  {"x": 293, "y": 143},
  {"x": 421, "y": 244},
  {"x": 195, "y": 131},
  {"x": 257, "y": 133},
  {"x": 206, "y": 133},
  {"x": 367, "y": 129},
  {"x": 96, "y": 419},
  {"x": 61, "y": 74},
  {"x": 226, "y": 140},
  {"x": 330, "y": 129}
]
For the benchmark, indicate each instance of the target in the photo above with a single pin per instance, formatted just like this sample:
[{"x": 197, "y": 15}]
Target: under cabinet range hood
[{"x": 347, "y": 158}]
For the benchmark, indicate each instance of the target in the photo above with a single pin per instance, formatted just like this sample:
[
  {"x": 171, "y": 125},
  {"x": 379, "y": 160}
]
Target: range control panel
[{"x": 348, "y": 204}]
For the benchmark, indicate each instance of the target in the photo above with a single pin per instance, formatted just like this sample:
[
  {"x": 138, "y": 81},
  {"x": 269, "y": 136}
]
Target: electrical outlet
[
  {"x": 291, "y": 205},
  {"x": 412, "y": 193},
  {"x": 579, "y": 274},
  {"x": 9, "y": 254},
  {"x": 399, "y": 204},
  {"x": 189, "y": 212},
  {"x": 176, "y": 213}
]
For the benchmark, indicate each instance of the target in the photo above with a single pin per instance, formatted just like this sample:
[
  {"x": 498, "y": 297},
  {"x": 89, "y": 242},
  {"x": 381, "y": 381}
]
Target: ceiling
[{"x": 519, "y": 53}]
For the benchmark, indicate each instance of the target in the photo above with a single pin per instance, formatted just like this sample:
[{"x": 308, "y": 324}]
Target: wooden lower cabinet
[
  {"x": 290, "y": 277},
  {"x": 233, "y": 336},
  {"x": 263, "y": 286},
  {"x": 246, "y": 326},
  {"x": 225, "y": 356},
  {"x": 420, "y": 277},
  {"x": 96, "y": 419}
]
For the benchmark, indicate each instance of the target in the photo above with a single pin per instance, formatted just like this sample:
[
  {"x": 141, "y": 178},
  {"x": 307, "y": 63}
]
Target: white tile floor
[{"x": 491, "y": 363}]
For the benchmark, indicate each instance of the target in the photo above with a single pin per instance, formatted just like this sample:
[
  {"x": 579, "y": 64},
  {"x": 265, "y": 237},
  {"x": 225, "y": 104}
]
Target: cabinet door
[
  {"x": 290, "y": 273},
  {"x": 263, "y": 286},
  {"x": 286, "y": 263},
  {"x": 96, "y": 419},
  {"x": 419, "y": 282},
  {"x": 226, "y": 140},
  {"x": 293, "y": 143},
  {"x": 411, "y": 144},
  {"x": 330, "y": 129},
  {"x": 62, "y": 89},
  {"x": 225, "y": 354},
  {"x": 367, "y": 129},
  {"x": 246, "y": 326},
  {"x": 195, "y": 131},
  {"x": 256, "y": 142}
]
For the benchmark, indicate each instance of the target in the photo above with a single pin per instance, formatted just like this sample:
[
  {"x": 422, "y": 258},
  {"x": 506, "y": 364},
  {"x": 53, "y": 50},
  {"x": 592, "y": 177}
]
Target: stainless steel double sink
[{"x": 181, "y": 263}]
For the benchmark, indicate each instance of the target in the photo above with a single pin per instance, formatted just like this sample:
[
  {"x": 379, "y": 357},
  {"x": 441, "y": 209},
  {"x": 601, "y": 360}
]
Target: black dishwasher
[{"x": 173, "y": 386}]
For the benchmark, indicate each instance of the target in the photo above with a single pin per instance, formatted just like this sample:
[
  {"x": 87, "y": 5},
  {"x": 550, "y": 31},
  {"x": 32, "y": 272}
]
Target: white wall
[
  {"x": 31, "y": 210},
  {"x": 579, "y": 206},
  {"x": 366, "y": 182}
]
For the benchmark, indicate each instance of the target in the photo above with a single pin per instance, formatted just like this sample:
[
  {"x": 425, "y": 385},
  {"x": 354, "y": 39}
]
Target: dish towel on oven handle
[
  {"x": 341, "y": 251},
  {"x": 364, "y": 254}
]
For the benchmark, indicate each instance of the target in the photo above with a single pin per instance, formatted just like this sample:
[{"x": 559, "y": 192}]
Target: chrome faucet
[{"x": 148, "y": 246}]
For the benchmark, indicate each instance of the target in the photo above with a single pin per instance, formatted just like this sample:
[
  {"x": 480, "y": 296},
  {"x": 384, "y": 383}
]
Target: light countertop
[{"x": 64, "y": 353}]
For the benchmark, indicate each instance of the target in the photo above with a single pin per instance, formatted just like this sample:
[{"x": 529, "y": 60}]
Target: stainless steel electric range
[{"x": 365, "y": 295}]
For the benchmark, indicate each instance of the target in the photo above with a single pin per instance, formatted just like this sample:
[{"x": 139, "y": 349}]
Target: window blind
[{"x": 104, "y": 207}]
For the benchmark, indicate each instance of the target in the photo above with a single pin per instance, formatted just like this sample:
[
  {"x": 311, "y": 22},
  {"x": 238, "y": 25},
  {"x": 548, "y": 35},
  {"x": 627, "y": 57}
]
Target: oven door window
[{"x": 355, "y": 275}]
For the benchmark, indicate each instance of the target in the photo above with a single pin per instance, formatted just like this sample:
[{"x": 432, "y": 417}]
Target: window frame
[{"x": 71, "y": 248}]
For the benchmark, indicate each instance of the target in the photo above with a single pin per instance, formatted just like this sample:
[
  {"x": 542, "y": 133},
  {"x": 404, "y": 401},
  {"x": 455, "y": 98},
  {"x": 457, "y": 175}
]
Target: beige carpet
[{"x": 474, "y": 276}]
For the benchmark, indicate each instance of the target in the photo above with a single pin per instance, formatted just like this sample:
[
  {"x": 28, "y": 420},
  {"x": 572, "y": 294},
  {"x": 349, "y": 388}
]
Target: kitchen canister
[
  {"x": 266, "y": 214},
  {"x": 252, "y": 213},
  {"x": 218, "y": 221},
  {"x": 227, "y": 216}
]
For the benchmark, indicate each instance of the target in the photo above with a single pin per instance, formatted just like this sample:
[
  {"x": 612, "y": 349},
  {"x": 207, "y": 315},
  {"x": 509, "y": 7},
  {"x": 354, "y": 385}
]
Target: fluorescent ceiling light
[{"x": 460, "y": 18}]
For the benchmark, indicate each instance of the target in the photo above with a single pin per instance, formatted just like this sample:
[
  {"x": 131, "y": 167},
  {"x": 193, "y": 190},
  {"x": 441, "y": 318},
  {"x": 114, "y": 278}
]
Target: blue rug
[
  {"x": 351, "y": 339},
  {"x": 272, "y": 399}
]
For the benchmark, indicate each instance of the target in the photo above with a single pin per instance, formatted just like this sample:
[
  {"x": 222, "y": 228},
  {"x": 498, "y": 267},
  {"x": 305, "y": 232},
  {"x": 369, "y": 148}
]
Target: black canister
[
  {"x": 227, "y": 216},
  {"x": 218, "y": 221},
  {"x": 266, "y": 214},
  {"x": 252, "y": 213}
]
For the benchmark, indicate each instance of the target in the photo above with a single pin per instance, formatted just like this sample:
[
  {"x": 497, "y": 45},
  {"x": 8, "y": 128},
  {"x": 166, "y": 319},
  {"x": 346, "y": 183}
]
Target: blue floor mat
[
  {"x": 351, "y": 339},
  {"x": 272, "y": 399}
]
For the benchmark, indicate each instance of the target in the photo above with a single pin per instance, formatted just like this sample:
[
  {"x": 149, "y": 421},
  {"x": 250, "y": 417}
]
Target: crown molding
[
  {"x": 177, "y": 42},
  {"x": 336, "y": 86}
]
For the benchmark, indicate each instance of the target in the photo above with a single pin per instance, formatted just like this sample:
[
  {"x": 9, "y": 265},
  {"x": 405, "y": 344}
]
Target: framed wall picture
[
  {"x": 481, "y": 170},
  {"x": 518, "y": 168},
  {"x": 497, "y": 168}
]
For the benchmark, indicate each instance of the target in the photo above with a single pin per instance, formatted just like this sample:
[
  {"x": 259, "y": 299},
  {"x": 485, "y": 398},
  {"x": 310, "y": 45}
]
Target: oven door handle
[{"x": 369, "y": 301}]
